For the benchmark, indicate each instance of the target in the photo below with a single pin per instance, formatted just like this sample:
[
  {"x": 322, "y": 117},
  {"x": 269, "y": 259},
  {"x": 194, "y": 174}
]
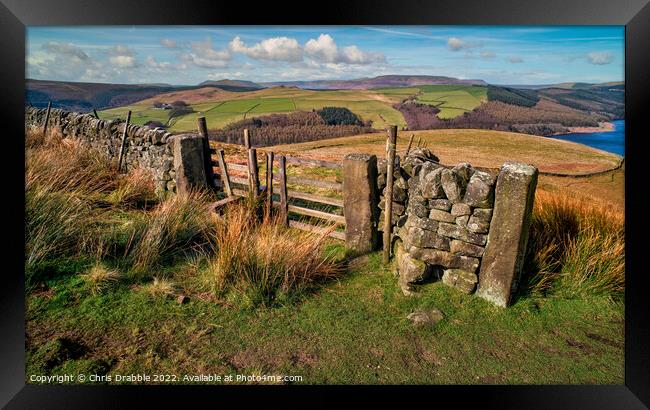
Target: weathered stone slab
[
  {"x": 467, "y": 249},
  {"x": 428, "y": 317},
  {"x": 189, "y": 163},
  {"x": 360, "y": 200},
  {"x": 423, "y": 238},
  {"x": 460, "y": 279},
  {"x": 453, "y": 185},
  {"x": 458, "y": 232},
  {"x": 461, "y": 209},
  {"x": 441, "y": 204},
  {"x": 508, "y": 237},
  {"x": 409, "y": 270},
  {"x": 477, "y": 226},
  {"x": 483, "y": 214},
  {"x": 462, "y": 220},
  {"x": 424, "y": 223},
  {"x": 465, "y": 171},
  {"x": 431, "y": 183},
  {"x": 441, "y": 216},
  {"x": 444, "y": 258},
  {"x": 480, "y": 192}
]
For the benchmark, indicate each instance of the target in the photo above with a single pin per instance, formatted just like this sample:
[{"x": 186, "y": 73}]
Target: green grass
[
  {"x": 350, "y": 331},
  {"x": 453, "y": 100},
  {"x": 278, "y": 100}
]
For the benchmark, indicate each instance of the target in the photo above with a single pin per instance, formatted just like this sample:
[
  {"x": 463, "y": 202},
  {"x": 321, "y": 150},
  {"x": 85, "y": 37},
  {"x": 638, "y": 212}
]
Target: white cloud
[
  {"x": 600, "y": 57},
  {"x": 203, "y": 55},
  {"x": 325, "y": 50},
  {"x": 487, "y": 54},
  {"x": 122, "y": 56},
  {"x": 275, "y": 48},
  {"x": 456, "y": 44},
  {"x": 168, "y": 43},
  {"x": 515, "y": 60},
  {"x": 67, "y": 49}
]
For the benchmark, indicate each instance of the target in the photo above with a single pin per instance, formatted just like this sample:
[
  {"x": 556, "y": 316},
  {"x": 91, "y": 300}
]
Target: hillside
[
  {"x": 84, "y": 97},
  {"x": 376, "y": 82},
  {"x": 410, "y": 102}
]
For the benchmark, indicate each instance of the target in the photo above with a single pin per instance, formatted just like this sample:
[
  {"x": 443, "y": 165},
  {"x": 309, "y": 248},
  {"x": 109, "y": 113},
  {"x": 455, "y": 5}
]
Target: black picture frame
[{"x": 15, "y": 15}]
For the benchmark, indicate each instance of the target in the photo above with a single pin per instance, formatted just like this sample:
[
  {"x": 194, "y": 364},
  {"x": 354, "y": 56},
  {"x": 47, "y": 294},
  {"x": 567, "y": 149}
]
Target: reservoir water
[{"x": 610, "y": 141}]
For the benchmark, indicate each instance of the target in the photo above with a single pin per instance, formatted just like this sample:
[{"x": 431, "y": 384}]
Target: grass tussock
[
  {"x": 100, "y": 278},
  {"x": 575, "y": 248},
  {"x": 179, "y": 224},
  {"x": 160, "y": 287},
  {"x": 261, "y": 261}
]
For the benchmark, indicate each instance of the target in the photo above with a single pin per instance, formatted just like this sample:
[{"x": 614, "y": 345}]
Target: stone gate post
[{"x": 360, "y": 200}]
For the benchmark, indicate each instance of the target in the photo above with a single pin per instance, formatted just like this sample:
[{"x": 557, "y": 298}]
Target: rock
[
  {"x": 462, "y": 220},
  {"x": 442, "y": 204},
  {"x": 399, "y": 194},
  {"x": 424, "y": 154},
  {"x": 424, "y": 223},
  {"x": 422, "y": 317},
  {"x": 461, "y": 209},
  {"x": 431, "y": 184},
  {"x": 504, "y": 255},
  {"x": 410, "y": 270},
  {"x": 182, "y": 299},
  {"x": 465, "y": 171},
  {"x": 441, "y": 216},
  {"x": 453, "y": 185},
  {"x": 381, "y": 181},
  {"x": 477, "y": 226},
  {"x": 480, "y": 192},
  {"x": 460, "y": 279},
  {"x": 483, "y": 214},
  {"x": 458, "y": 232},
  {"x": 467, "y": 249},
  {"x": 420, "y": 210},
  {"x": 423, "y": 238},
  {"x": 444, "y": 258}
]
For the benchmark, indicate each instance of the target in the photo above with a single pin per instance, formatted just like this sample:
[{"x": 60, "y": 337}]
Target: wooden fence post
[
  {"x": 269, "y": 183},
  {"x": 284, "y": 200},
  {"x": 253, "y": 173},
  {"x": 225, "y": 179},
  {"x": 408, "y": 148},
  {"x": 47, "y": 117},
  {"x": 388, "y": 195},
  {"x": 203, "y": 131},
  {"x": 419, "y": 141},
  {"x": 247, "y": 141},
  {"x": 123, "y": 146}
]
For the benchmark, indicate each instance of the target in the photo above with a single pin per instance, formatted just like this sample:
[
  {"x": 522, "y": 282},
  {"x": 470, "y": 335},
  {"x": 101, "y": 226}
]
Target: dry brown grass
[
  {"x": 263, "y": 260},
  {"x": 160, "y": 288},
  {"x": 576, "y": 247},
  {"x": 177, "y": 225},
  {"x": 100, "y": 278}
]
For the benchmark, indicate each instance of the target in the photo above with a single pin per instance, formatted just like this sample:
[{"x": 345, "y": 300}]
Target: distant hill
[
  {"x": 375, "y": 82},
  {"x": 83, "y": 97},
  {"x": 574, "y": 86},
  {"x": 232, "y": 85}
]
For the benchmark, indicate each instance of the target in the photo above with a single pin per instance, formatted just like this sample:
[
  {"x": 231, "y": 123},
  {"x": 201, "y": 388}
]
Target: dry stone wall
[
  {"x": 443, "y": 223},
  {"x": 151, "y": 149}
]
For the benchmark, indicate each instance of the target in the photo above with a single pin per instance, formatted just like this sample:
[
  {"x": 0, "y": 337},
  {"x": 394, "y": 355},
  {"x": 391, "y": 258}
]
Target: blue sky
[{"x": 184, "y": 55}]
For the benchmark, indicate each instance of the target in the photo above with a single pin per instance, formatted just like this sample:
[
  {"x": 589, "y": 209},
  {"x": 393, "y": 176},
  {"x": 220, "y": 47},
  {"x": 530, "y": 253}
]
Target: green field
[
  {"x": 368, "y": 105},
  {"x": 452, "y": 100}
]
